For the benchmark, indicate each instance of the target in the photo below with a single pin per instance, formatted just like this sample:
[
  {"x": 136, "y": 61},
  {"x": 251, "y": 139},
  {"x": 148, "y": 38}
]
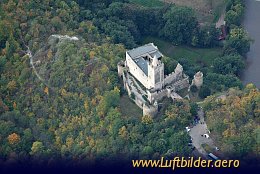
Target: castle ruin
[{"x": 145, "y": 81}]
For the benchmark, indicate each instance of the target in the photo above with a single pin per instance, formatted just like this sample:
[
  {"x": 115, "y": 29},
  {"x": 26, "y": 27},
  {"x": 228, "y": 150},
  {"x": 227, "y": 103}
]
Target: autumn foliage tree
[
  {"x": 234, "y": 119},
  {"x": 14, "y": 138}
]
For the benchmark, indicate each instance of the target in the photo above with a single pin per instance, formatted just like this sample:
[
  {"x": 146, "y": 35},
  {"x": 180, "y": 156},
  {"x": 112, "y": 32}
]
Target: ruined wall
[
  {"x": 171, "y": 78},
  {"x": 150, "y": 110},
  {"x": 120, "y": 69},
  {"x": 181, "y": 84},
  {"x": 157, "y": 95},
  {"x": 198, "y": 79}
]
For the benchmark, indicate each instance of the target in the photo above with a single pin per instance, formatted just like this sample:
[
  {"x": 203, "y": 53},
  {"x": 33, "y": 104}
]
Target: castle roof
[
  {"x": 150, "y": 49},
  {"x": 138, "y": 55},
  {"x": 143, "y": 64}
]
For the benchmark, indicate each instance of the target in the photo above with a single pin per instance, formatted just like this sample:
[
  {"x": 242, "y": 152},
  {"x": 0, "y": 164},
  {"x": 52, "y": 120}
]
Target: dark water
[{"x": 252, "y": 25}]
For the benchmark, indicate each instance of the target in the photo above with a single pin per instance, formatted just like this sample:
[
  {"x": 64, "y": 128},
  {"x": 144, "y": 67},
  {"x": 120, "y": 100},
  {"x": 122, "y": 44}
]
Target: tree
[
  {"x": 46, "y": 90},
  {"x": 12, "y": 86},
  {"x": 193, "y": 88},
  {"x": 204, "y": 92},
  {"x": 110, "y": 100},
  {"x": 194, "y": 109},
  {"x": 92, "y": 54},
  {"x": 147, "y": 119},
  {"x": 37, "y": 148},
  {"x": 222, "y": 82},
  {"x": 13, "y": 138},
  {"x": 169, "y": 64},
  {"x": 178, "y": 142},
  {"x": 123, "y": 133},
  {"x": 208, "y": 36},
  {"x": 238, "y": 41},
  {"x": 147, "y": 151},
  {"x": 180, "y": 25},
  {"x": 231, "y": 120},
  {"x": 179, "y": 114},
  {"x": 230, "y": 64},
  {"x": 234, "y": 15}
]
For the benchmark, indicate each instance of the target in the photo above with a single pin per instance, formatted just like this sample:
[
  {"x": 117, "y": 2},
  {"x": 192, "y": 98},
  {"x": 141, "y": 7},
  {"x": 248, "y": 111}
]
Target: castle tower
[
  {"x": 155, "y": 73},
  {"x": 151, "y": 110},
  {"x": 178, "y": 71},
  {"x": 198, "y": 79},
  {"x": 169, "y": 91},
  {"x": 120, "y": 68}
]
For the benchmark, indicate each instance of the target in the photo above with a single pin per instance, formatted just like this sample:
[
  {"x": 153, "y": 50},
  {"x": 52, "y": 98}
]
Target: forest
[{"x": 70, "y": 109}]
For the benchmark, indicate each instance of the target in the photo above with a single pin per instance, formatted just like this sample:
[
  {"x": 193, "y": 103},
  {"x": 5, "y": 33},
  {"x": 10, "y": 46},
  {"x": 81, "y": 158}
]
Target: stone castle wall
[
  {"x": 150, "y": 110},
  {"x": 181, "y": 84},
  {"x": 198, "y": 79},
  {"x": 120, "y": 68},
  {"x": 169, "y": 78},
  {"x": 147, "y": 110},
  {"x": 157, "y": 95}
]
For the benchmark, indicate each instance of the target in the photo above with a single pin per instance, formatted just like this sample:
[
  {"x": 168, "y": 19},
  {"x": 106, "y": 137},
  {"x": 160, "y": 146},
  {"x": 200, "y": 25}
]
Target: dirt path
[{"x": 29, "y": 53}]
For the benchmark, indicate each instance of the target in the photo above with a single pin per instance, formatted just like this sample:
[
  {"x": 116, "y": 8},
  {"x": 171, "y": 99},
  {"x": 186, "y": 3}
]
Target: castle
[{"x": 145, "y": 81}]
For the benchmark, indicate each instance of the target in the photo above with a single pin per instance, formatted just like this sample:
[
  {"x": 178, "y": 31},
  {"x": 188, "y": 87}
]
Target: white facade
[
  {"x": 145, "y": 64},
  {"x": 136, "y": 71}
]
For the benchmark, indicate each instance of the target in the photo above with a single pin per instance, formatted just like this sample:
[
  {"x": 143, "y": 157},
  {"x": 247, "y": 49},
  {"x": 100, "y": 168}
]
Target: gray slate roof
[
  {"x": 143, "y": 64},
  {"x": 148, "y": 48},
  {"x": 136, "y": 55}
]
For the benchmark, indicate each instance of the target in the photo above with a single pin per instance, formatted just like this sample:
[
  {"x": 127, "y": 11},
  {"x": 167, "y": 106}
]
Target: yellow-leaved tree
[{"x": 13, "y": 138}]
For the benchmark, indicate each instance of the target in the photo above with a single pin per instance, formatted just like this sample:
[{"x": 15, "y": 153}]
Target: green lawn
[
  {"x": 148, "y": 3},
  {"x": 195, "y": 55}
]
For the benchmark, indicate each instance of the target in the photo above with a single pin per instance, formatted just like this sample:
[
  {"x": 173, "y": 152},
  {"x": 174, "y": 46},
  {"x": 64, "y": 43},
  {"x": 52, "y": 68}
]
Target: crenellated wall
[
  {"x": 157, "y": 95},
  {"x": 181, "y": 84},
  {"x": 169, "y": 78}
]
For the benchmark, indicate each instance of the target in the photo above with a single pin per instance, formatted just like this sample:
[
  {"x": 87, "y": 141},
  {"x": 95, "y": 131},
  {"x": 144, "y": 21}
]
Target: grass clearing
[
  {"x": 129, "y": 108},
  {"x": 148, "y": 3},
  {"x": 195, "y": 55}
]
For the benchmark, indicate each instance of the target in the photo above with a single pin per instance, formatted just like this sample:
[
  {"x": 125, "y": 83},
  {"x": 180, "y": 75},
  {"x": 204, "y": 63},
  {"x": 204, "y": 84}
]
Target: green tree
[
  {"x": 193, "y": 88},
  {"x": 194, "y": 109},
  {"x": 208, "y": 36},
  {"x": 230, "y": 64},
  {"x": 238, "y": 41},
  {"x": 234, "y": 15},
  {"x": 37, "y": 148},
  {"x": 204, "y": 92},
  {"x": 147, "y": 119},
  {"x": 180, "y": 25}
]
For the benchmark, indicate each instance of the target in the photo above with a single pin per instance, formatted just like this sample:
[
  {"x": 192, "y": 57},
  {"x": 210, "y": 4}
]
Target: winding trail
[{"x": 29, "y": 53}]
